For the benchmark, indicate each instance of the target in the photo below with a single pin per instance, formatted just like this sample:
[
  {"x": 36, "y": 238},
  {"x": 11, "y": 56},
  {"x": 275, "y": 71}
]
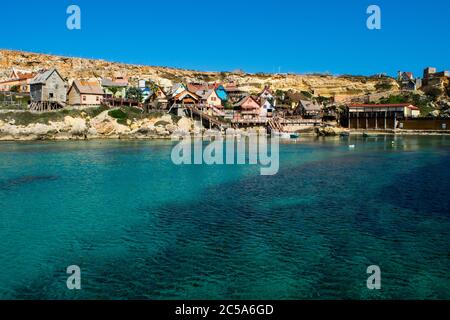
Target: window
[
  {"x": 98, "y": 98},
  {"x": 50, "y": 95},
  {"x": 84, "y": 98}
]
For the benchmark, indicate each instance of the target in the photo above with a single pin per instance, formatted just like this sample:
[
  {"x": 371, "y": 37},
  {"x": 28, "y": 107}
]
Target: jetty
[{"x": 204, "y": 117}]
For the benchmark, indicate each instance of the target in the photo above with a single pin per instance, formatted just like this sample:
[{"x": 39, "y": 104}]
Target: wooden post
[
  {"x": 395, "y": 120},
  {"x": 376, "y": 120},
  {"x": 367, "y": 120},
  {"x": 357, "y": 120},
  {"x": 385, "y": 120}
]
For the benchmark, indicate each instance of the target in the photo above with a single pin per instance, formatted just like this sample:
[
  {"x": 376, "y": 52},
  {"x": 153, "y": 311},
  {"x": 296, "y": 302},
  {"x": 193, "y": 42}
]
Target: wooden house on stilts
[{"x": 48, "y": 91}]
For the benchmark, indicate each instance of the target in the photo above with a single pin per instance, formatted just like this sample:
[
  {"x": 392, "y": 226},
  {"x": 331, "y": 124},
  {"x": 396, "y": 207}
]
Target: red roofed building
[
  {"x": 185, "y": 98},
  {"x": 247, "y": 109},
  {"x": 194, "y": 87},
  {"x": 18, "y": 81},
  {"x": 379, "y": 116}
]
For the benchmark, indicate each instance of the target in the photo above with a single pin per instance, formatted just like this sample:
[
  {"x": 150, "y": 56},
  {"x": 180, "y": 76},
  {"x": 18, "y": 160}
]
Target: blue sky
[{"x": 256, "y": 36}]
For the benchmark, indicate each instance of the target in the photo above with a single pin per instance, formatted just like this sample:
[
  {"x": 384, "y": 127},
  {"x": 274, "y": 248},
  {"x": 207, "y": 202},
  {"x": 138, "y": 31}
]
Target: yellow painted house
[{"x": 209, "y": 98}]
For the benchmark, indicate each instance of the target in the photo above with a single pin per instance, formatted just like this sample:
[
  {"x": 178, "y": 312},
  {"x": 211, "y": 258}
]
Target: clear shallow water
[{"x": 142, "y": 228}]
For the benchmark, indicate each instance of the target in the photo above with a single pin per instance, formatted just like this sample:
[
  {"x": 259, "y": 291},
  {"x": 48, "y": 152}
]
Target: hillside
[{"x": 77, "y": 68}]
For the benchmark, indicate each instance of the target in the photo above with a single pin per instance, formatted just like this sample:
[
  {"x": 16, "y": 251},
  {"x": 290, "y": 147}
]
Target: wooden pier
[{"x": 211, "y": 120}]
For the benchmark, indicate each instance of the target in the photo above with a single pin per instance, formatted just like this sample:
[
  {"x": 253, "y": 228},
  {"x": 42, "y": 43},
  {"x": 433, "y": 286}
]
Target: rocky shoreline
[{"x": 104, "y": 126}]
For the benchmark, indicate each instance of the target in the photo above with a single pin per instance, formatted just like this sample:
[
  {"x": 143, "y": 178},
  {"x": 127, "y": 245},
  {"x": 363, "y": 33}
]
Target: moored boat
[
  {"x": 369, "y": 135},
  {"x": 282, "y": 135}
]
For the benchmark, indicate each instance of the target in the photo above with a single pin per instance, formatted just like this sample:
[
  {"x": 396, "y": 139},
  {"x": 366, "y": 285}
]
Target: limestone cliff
[{"x": 77, "y": 68}]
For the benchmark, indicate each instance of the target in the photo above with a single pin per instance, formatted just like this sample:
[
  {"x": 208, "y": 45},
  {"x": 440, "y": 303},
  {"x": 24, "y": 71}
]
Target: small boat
[
  {"x": 369, "y": 135},
  {"x": 295, "y": 135},
  {"x": 282, "y": 135},
  {"x": 345, "y": 134}
]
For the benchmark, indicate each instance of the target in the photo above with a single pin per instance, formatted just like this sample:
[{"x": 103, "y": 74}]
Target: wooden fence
[{"x": 425, "y": 124}]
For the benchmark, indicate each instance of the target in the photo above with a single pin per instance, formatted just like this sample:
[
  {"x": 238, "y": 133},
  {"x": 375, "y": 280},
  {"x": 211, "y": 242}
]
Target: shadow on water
[{"x": 17, "y": 182}]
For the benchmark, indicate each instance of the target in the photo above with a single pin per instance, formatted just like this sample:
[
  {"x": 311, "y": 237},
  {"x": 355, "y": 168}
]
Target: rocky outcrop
[
  {"x": 78, "y": 126},
  {"x": 102, "y": 126},
  {"x": 33, "y": 131},
  {"x": 105, "y": 125},
  {"x": 185, "y": 124},
  {"x": 330, "y": 131}
]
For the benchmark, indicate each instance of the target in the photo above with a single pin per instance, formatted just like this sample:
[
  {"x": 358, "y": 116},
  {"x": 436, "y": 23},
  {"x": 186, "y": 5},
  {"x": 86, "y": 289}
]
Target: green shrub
[
  {"x": 228, "y": 105},
  {"x": 117, "y": 114},
  {"x": 434, "y": 92},
  {"x": 307, "y": 94},
  {"x": 122, "y": 122},
  {"x": 133, "y": 112},
  {"x": 26, "y": 118},
  {"x": 120, "y": 114},
  {"x": 14, "y": 88},
  {"x": 383, "y": 86},
  {"x": 153, "y": 115},
  {"x": 134, "y": 94},
  {"x": 93, "y": 112},
  {"x": 175, "y": 118},
  {"x": 422, "y": 102},
  {"x": 395, "y": 99}
]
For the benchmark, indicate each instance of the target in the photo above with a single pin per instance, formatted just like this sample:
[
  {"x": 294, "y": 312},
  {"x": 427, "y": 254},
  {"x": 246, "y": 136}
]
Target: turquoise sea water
[{"x": 140, "y": 227}]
